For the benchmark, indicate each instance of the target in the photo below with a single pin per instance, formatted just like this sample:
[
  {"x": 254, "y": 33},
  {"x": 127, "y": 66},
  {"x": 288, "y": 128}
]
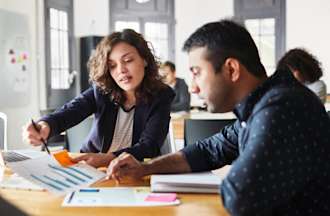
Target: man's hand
[
  {"x": 125, "y": 165},
  {"x": 95, "y": 159}
]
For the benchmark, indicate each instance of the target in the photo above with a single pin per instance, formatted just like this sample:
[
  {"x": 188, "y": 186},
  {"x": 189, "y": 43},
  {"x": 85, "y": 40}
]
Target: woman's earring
[{"x": 145, "y": 63}]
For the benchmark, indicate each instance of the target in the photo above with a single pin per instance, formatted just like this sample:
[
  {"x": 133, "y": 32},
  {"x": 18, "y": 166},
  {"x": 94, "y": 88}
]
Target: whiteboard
[{"x": 15, "y": 60}]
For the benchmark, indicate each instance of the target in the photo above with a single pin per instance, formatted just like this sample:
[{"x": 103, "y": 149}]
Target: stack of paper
[
  {"x": 49, "y": 174},
  {"x": 205, "y": 182}
]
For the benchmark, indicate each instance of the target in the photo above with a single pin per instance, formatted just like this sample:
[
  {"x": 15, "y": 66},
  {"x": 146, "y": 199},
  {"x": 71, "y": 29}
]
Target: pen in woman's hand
[{"x": 42, "y": 139}]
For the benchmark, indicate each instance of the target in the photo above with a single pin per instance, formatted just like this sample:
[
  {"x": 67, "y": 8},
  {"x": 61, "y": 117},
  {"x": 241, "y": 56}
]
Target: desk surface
[{"x": 43, "y": 203}]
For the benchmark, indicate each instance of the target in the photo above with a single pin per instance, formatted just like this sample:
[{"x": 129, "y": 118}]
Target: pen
[
  {"x": 95, "y": 190},
  {"x": 42, "y": 140},
  {"x": 71, "y": 196}
]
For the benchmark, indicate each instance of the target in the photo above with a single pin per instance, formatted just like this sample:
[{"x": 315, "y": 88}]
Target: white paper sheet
[
  {"x": 17, "y": 182},
  {"x": 49, "y": 174},
  {"x": 112, "y": 197}
]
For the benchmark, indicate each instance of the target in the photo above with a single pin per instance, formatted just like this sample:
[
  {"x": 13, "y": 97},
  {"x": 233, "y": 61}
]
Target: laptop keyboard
[{"x": 13, "y": 157}]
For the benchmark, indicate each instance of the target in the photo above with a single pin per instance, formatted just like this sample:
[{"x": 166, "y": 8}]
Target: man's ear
[{"x": 233, "y": 68}]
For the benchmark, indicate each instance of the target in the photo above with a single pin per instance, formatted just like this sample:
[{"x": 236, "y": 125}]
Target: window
[
  {"x": 157, "y": 34},
  {"x": 120, "y": 25},
  {"x": 59, "y": 49},
  {"x": 60, "y": 52},
  {"x": 265, "y": 20},
  {"x": 153, "y": 18},
  {"x": 263, "y": 34}
]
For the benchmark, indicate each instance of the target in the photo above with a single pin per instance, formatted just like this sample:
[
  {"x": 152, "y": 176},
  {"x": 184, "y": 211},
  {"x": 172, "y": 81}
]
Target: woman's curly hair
[
  {"x": 304, "y": 62},
  {"x": 99, "y": 71}
]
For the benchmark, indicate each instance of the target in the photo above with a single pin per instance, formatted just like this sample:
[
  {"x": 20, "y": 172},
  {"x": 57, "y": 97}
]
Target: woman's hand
[
  {"x": 96, "y": 159},
  {"x": 32, "y": 136}
]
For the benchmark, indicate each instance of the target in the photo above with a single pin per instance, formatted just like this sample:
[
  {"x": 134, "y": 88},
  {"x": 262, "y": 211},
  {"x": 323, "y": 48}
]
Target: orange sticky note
[{"x": 63, "y": 158}]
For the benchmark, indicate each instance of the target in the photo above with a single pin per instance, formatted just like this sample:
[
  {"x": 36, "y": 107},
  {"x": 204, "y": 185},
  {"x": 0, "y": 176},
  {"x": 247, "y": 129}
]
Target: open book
[{"x": 204, "y": 182}]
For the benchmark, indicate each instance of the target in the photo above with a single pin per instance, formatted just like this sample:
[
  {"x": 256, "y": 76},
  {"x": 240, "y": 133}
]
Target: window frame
[
  {"x": 140, "y": 16},
  {"x": 276, "y": 11}
]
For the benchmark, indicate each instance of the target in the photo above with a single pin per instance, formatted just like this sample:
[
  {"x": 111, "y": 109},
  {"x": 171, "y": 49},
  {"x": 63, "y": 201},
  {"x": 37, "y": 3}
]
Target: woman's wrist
[{"x": 109, "y": 157}]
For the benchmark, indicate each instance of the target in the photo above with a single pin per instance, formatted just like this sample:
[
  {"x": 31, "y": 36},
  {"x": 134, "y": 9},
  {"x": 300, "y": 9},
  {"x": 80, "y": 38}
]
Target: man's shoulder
[
  {"x": 180, "y": 81},
  {"x": 165, "y": 92},
  {"x": 296, "y": 96}
]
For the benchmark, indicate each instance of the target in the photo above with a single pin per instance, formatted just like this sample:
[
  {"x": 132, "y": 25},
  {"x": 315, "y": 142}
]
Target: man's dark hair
[
  {"x": 302, "y": 61},
  {"x": 169, "y": 64},
  {"x": 227, "y": 39}
]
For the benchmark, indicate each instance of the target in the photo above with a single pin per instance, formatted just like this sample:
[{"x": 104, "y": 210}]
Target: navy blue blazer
[{"x": 150, "y": 127}]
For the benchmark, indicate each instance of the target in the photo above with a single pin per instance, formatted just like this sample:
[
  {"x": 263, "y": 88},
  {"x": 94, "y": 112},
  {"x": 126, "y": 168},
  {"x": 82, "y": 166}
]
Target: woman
[
  {"x": 131, "y": 105},
  {"x": 306, "y": 69}
]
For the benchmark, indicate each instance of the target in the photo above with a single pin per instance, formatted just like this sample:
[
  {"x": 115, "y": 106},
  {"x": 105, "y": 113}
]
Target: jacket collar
[{"x": 245, "y": 107}]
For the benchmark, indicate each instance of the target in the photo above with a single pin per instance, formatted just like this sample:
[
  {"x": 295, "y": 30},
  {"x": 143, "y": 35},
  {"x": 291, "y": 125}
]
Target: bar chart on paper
[{"x": 46, "y": 172}]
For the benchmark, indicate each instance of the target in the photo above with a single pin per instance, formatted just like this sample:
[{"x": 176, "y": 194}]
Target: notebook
[{"x": 203, "y": 182}]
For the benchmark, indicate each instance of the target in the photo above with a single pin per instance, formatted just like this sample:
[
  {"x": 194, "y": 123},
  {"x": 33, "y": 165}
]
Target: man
[
  {"x": 181, "y": 100},
  {"x": 278, "y": 147}
]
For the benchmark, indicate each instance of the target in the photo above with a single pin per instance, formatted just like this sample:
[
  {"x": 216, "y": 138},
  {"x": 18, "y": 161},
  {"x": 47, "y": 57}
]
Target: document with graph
[{"x": 50, "y": 175}]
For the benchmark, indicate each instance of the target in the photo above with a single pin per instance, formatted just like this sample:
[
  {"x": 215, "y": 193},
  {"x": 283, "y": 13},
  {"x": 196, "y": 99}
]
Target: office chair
[
  {"x": 76, "y": 135},
  {"x": 3, "y": 131},
  {"x": 199, "y": 129},
  {"x": 169, "y": 143}
]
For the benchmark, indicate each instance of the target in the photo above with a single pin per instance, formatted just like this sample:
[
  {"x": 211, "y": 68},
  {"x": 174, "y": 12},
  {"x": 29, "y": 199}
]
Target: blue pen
[{"x": 89, "y": 190}]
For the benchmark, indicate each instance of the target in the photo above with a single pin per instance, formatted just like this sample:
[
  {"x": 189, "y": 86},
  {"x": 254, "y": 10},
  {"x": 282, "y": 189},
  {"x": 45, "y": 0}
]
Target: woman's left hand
[{"x": 95, "y": 159}]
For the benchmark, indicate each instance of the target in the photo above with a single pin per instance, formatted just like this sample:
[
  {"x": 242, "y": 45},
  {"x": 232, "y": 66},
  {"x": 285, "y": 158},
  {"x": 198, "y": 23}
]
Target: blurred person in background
[
  {"x": 306, "y": 69},
  {"x": 181, "y": 100}
]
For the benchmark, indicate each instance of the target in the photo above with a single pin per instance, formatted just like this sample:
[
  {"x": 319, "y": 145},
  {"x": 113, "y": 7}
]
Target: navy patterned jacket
[{"x": 279, "y": 149}]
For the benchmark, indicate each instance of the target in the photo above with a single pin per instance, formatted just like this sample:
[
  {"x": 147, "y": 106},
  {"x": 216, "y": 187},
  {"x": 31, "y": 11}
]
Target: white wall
[
  {"x": 190, "y": 15},
  {"x": 308, "y": 26},
  {"x": 91, "y": 17},
  {"x": 18, "y": 116}
]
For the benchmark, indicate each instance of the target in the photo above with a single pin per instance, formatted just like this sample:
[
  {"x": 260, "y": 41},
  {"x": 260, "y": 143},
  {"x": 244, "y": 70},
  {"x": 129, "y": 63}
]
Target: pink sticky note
[{"x": 161, "y": 197}]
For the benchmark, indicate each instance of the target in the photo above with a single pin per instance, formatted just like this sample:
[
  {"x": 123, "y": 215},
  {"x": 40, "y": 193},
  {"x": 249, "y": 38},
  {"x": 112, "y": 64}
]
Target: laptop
[{"x": 20, "y": 155}]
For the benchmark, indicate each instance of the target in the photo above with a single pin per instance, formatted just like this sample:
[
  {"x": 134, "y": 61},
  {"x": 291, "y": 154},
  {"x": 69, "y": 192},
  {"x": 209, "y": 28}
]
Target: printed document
[
  {"x": 49, "y": 174},
  {"x": 116, "y": 197}
]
